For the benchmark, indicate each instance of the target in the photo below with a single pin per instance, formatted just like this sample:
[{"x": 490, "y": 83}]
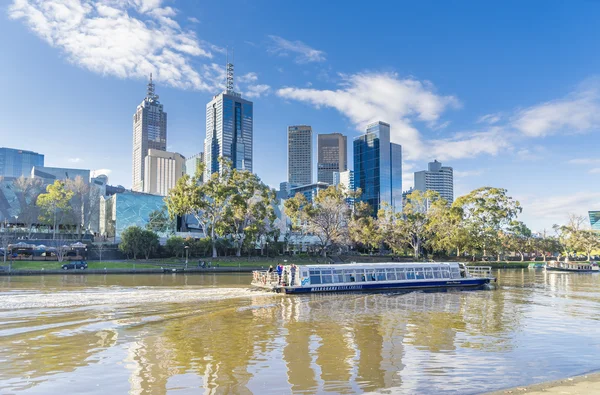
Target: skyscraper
[
  {"x": 17, "y": 162},
  {"x": 149, "y": 132},
  {"x": 162, "y": 170},
  {"x": 436, "y": 178},
  {"x": 332, "y": 156},
  {"x": 229, "y": 122},
  {"x": 378, "y": 167},
  {"x": 191, "y": 164},
  {"x": 299, "y": 155}
]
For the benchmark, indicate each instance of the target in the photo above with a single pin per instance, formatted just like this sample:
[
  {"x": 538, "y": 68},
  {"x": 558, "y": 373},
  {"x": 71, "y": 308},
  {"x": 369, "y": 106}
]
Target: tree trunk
[
  {"x": 589, "y": 256},
  {"x": 498, "y": 258},
  {"x": 238, "y": 251},
  {"x": 213, "y": 242},
  {"x": 458, "y": 252},
  {"x": 522, "y": 256},
  {"x": 544, "y": 257}
]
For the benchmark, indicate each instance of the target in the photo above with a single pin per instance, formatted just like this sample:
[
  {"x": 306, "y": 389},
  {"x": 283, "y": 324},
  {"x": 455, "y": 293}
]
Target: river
[{"x": 203, "y": 333}]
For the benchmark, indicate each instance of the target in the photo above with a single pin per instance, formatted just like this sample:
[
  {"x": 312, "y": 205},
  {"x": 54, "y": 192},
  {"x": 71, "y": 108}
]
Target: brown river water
[{"x": 212, "y": 334}]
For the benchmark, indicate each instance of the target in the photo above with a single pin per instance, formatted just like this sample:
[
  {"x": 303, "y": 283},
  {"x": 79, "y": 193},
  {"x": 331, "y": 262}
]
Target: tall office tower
[
  {"x": 229, "y": 120},
  {"x": 149, "y": 132},
  {"x": 17, "y": 162},
  {"x": 378, "y": 167},
  {"x": 191, "y": 164},
  {"x": 345, "y": 179},
  {"x": 437, "y": 178},
  {"x": 300, "y": 155},
  {"x": 162, "y": 170},
  {"x": 332, "y": 156}
]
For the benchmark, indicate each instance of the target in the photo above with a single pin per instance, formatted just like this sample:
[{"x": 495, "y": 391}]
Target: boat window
[
  {"x": 360, "y": 275},
  {"x": 338, "y": 277},
  {"x": 437, "y": 273},
  {"x": 349, "y": 276},
  {"x": 315, "y": 277},
  {"x": 391, "y": 274},
  {"x": 445, "y": 274},
  {"x": 381, "y": 275},
  {"x": 419, "y": 275},
  {"x": 410, "y": 274},
  {"x": 400, "y": 274},
  {"x": 326, "y": 278},
  {"x": 370, "y": 274},
  {"x": 428, "y": 272}
]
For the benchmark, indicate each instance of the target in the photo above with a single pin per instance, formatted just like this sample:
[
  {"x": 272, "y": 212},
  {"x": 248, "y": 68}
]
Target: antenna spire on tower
[
  {"x": 230, "y": 82},
  {"x": 150, "y": 92}
]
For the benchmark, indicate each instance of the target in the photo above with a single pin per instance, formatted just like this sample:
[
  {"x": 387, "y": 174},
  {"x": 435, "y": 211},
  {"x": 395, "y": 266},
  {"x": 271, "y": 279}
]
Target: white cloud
[
  {"x": 259, "y": 90},
  {"x": 74, "y": 160},
  {"x": 305, "y": 54},
  {"x": 193, "y": 20},
  {"x": 555, "y": 209},
  {"x": 490, "y": 118},
  {"x": 248, "y": 77},
  {"x": 595, "y": 170},
  {"x": 368, "y": 97},
  {"x": 577, "y": 112},
  {"x": 126, "y": 39},
  {"x": 466, "y": 145},
  {"x": 468, "y": 173},
  {"x": 584, "y": 161}
]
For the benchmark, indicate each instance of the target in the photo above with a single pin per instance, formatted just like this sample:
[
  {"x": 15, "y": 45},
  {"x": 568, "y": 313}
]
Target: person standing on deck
[
  {"x": 293, "y": 273},
  {"x": 279, "y": 272}
]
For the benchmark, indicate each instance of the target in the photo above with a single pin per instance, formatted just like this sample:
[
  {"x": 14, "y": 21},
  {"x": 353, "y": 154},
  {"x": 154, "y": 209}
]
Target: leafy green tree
[
  {"x": 54, "y": 204},
  {"x": 148, "y": 243},
  {"x": 484, "y": 212},
  {"x": 131, "y": 241},
  {"x": 176, "y": 246},
  {"x": 589, "y": 241},
  {"x": 27, "y": 190},
  {"x": 326, "y": 218},
  {"x": 569, "y": 235},
  {"x": 449, "y": 232},
  {"x": 519, "y": 238},
  {"x": 363, "y": 228}
]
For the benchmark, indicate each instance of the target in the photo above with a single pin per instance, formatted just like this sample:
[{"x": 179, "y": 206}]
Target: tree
[
  {"x": 175, "y": 246},
  {"x": 208, "y": 202},
  {"x": 100, "y": 248},
  {"x": 54, "y": 204},
  {"x": 326, "y": 218},
  {"x": 569, "y": 235},
  {"x": 519, "y": 238},
  {"x": 448, "y": 230},
  {"x": 131, "y": 241},
  {"x": 363, "y": 228},
  {"x": 27, "y": 191},
  {"x": 251, "y": 208},
  {"x": 484, "y": 212},
  {"x": 589, "y": 241},
  {"x": 79, "y": 202},
  {"x": 148, "y": 243},
  {"x": 5, "y": 240}
]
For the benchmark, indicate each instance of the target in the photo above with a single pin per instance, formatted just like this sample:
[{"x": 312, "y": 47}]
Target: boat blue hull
[{"x": 458, "y": 283}]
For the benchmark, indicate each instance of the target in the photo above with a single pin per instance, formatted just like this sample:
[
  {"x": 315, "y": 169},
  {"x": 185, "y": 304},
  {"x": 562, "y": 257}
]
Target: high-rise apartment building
[
  {"x": 149, "y": 132},
  {"x": 192, "y": 163},
  {"x": 229, "y": 123},
  {"x": 378, "y": 167},
  {"x": 331, "y": 156},
  {"x": 17, "y": 162},
  {"x": 162, "y": 170},
  {"x": 300, "y": 155},
  {"x": 437, "y": 178}
]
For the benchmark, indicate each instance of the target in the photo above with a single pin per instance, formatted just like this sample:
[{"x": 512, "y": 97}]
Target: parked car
[{"x": 75, "y": 265}]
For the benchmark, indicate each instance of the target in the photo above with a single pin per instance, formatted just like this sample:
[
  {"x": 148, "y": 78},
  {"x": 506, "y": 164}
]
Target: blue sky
[{"x": 507, "y": 93}]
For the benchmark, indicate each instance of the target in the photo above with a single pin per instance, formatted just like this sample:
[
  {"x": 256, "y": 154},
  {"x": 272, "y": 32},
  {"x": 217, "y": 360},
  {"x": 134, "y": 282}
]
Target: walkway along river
[{"x": 181, "y": 333}]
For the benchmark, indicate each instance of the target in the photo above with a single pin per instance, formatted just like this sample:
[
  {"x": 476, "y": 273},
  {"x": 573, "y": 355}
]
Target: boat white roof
[{"x": 378, "y": 265}]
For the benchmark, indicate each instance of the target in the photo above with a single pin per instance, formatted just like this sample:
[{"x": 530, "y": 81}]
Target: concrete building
[
  {"x": 437, "y": 178},
  {"x": 378, "y": 167},
  {"x": 332, "y": 156},
  {"x": 344, "y": 178},
  {"x": 15, "y": 163},
  {"x": 192, "y": 163},
  {"x": 229, "y": 124},
  {"x": 162, "y": 170},
  {"x": 594, "y": 219},
  {"x": 300, "y": 155},
  {"x": 50, "y": 174},
  {"x": 149, "y": 132}
]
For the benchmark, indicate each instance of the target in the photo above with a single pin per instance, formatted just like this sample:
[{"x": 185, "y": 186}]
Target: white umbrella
[
  {"x": 41, "y": 247},
  {"x": 78, "y": 245}
]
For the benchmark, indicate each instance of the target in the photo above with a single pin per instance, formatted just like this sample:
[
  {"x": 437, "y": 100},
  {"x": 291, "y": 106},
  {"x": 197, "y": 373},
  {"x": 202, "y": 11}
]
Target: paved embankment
[
  {"x": 588, "y": 384},
  {"x": 243, "y": 269}
]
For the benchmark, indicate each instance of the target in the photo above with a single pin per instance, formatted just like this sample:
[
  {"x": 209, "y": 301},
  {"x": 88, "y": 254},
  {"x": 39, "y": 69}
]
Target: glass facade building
[
  {"x": 229, "y": 123},
  {"x": 378, "y": 167},
  {"x": 16, "y": 162},
  {"x": 300, "y": 155},
  {"x": 594, "y": 219},
  {"x": 331, "y": 156}
]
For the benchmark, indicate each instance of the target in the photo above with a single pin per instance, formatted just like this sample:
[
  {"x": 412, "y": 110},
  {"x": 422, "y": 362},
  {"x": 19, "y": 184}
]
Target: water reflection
[{"x": 161, "y": 334}]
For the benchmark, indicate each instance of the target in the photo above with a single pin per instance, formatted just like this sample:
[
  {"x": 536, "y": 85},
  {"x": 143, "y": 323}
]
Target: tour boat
[
  {"x": 373, "y": 277},
  {"x": 536, "y": 265},
  {"x": 580, "y": 267}
]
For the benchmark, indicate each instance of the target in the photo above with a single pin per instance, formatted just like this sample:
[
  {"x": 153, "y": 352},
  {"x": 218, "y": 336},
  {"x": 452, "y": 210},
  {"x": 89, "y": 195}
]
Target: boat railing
[
  {"x": 264, "y": 278},
  {"x": 479, "y": 271}
]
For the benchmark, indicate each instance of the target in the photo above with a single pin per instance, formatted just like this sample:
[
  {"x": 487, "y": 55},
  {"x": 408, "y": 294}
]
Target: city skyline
[{"x": 519, "y": 123}]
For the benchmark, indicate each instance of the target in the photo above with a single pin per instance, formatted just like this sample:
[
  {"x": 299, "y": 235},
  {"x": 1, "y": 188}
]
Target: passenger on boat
[
  {"x": 279, "y": 272},
  {"x": 270, "y": 269},
  {"x": 293, "y": 273}
]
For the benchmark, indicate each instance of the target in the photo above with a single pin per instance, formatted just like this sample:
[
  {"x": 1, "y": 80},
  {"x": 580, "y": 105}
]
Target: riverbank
[{"x": 588, "y": 384}]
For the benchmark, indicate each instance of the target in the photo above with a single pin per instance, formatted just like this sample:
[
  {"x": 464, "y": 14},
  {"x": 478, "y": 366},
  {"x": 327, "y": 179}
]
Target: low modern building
[
  {"x": 436, "y": 178},
  {"x": 309, "y": 191},
  {"x": 16, "y": 163},
  {"x": 122, "y": 210},
  {"x": 162, "y": 170},
  {"x": 594, "y": 219},
  {"x": 50, "y": 174}
]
